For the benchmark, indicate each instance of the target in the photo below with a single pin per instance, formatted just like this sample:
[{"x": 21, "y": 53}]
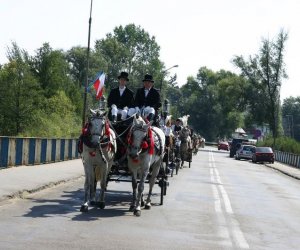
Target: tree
[
  {"x": 265, "y": 72},
  {"x": 291, "y": 116},
  {"x": 131, "y": 49},
  {"x": 58, "y": 118},
  {"x": 20, "y": 93},
  {"x": 77, "y": 59},
  {"x": 51, "y": 69}
]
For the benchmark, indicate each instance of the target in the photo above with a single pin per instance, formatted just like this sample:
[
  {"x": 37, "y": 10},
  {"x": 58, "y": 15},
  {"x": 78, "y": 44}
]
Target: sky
[{"x": 191, "y": 33}]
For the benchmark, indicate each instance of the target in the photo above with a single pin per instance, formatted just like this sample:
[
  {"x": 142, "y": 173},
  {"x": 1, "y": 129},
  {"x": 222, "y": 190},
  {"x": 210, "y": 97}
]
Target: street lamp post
[{"x": 163, "y": 74}]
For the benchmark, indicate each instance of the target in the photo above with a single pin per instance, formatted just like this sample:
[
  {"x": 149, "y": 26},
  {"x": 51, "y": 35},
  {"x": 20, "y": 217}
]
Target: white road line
[
  {"x": 218, "y": 208},
  {"x": 235, "y": 228},
  {"x": 225, "y": 197}
]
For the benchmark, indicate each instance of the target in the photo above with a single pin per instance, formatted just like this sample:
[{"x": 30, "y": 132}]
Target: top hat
[
  {"x": 148, "y": 78},
  {"x": 123, "y": 75}
]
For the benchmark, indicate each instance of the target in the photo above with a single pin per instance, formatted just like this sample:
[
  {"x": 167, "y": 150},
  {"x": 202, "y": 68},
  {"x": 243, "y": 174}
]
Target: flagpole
[{"x": 87, "y": 68}]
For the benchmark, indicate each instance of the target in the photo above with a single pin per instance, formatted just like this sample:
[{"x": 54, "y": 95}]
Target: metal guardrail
[
  {"x": 290, "y": 159},
  {"x": 287, "y": 158},
  {"x": 211, "y": 143},
  {"x": 15, "y": 151}
]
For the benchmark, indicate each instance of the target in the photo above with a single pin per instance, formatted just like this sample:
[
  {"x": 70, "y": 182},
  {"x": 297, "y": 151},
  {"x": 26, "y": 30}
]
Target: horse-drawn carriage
[
  {"x": 114, "y": 152},
  {"x": 150, "y": 141}
]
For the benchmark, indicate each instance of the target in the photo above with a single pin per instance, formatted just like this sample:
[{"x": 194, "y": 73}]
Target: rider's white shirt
[
  {"x": 122, "y": 90},
  {"x": 167, "y": 131}
]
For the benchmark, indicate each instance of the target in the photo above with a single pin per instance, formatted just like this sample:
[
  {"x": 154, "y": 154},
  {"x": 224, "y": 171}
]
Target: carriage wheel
[
  {"x": 162, "y": 184},
  {"x": 177, "y": 166},
  {"x": 172, "y": 170},
  {"x": 172, "y": 164}
]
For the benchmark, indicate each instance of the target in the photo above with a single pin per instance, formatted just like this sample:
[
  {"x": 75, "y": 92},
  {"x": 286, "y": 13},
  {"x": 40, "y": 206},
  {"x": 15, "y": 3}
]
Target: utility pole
[{"x": 87, "y": 68}]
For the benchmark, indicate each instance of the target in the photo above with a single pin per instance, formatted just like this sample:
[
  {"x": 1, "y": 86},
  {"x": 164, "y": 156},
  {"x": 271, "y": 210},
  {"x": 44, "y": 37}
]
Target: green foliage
[
  {"x": 20, "y": 93},
  {"x": 55, "y": 120},
  {"x": 214, "y": 100},
  {"x": 284, "y": 144},
  {"x": 42, "y": 95},
  {"x": 130, "y": 49},
  {"x": 291, "y": 117},
  {"x": 265, "y": 72}
]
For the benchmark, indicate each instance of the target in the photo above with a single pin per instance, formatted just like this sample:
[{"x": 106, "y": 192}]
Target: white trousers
[
  {"x": 147, "y": 111},
  {"x": 125, "y": 112}
]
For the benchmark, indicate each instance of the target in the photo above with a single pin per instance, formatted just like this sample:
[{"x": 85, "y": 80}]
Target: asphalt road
[{"x": 218, "y": 203}]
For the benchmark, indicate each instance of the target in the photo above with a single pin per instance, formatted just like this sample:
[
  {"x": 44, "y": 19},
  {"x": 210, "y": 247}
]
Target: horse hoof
[
  {"x": 147, "y": 207},
  {"x": 131, "y": 208},
  {"x": 102, "y": 205},
  {"x": 84, "y": 209},
  {"x": 137, "y": 213}
]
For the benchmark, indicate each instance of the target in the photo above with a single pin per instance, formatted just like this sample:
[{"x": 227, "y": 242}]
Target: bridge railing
[
  {"x": 16, "y": 151},
  {"x": 287, "y": 158}
]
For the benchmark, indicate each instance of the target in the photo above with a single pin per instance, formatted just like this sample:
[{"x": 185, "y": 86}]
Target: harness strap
[
  {"x": 159, "y": 139},
  {"x": 151, "y": 146}
]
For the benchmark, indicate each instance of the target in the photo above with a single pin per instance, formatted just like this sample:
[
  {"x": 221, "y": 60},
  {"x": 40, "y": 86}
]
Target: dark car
[
  {"x": 223, "y": 145},
  {"x": 263, "y": 154},
  {"x": 235, "y": 145}
]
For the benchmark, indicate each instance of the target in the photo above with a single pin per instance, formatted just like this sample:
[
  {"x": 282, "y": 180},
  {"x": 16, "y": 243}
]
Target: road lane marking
[{"x": 236, "y": 232}]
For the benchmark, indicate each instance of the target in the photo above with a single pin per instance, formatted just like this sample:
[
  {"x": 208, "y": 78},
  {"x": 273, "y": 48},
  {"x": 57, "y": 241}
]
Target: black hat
[
  {"x": 148, "y": 78},
  {"x": 123, "y": 75}
]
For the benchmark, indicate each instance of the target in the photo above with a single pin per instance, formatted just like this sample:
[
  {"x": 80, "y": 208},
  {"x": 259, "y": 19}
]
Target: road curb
[
  {"x": 284, "y": 172},
  {"x": 22, "y": 194}
]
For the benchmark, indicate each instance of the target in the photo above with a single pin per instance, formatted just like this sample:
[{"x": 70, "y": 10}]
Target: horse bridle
[
  {"x": 101, "y": 134},
  {"x": 140, "y": 148}
]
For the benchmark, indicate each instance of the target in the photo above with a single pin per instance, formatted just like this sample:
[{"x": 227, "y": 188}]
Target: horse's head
[
  {"x": 137, "y": 137},
  {"x": 96, "y": 124},
  {"x": 184, "y": 134}
]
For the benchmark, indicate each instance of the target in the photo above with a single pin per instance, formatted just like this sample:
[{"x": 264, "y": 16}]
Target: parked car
[
  {"x": 235, "y": 145},
  {"x": 223, "y": 145},
  {"x": 244, "y": 152},
  {"x": 263, "y": 154}
]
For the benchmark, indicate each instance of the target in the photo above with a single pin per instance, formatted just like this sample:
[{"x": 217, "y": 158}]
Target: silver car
[{"x": 244, "y": 152}]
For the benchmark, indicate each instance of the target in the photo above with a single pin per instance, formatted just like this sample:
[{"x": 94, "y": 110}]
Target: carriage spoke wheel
[
  {"x": 163, "y": 185},
  {"x": 161, "y": 191}
]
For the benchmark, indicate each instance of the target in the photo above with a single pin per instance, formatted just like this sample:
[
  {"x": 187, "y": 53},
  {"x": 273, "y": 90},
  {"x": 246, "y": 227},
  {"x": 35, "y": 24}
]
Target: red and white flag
[{"x": 99, "y": 85}]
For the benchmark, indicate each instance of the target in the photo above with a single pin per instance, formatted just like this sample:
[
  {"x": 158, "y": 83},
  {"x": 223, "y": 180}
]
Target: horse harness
[
  {"x": 146, "y": 142},
  {"x": 104, "y": 139}
]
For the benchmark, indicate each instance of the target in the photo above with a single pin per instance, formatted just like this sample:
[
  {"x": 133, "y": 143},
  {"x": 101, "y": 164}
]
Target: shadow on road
[{"x": 117, "y": 204}]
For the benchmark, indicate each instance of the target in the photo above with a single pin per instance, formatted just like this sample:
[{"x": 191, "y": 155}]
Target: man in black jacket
[
  {"x": 121, "y": 99},
  {"x": 147, "y": 99},
  {"x": 177, "y": 126}
]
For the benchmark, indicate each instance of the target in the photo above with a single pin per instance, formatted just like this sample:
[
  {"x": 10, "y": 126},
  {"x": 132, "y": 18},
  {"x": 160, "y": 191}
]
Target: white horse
[
  {"x": 143, "y": 156},
  {"x": 99, "y": 149}
]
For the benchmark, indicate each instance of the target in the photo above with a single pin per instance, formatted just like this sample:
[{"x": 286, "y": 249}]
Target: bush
[{"x": 284, "y": 144}]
